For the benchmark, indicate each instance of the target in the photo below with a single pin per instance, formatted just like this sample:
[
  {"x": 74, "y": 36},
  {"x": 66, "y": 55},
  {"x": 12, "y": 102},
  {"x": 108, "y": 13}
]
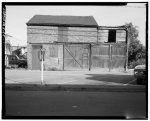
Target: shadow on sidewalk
[{"x": 124, "y": 79}]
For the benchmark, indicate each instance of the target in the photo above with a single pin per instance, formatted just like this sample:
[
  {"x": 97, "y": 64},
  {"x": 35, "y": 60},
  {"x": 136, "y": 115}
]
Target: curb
[{"x": 100, "y": 88}]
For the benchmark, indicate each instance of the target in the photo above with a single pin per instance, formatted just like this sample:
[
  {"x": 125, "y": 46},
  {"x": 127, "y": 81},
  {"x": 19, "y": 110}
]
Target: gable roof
[{"x": 77, "y": 21}]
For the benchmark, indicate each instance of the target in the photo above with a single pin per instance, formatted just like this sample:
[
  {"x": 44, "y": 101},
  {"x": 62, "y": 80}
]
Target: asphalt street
[
  {"x": 98, "y": 93},
  {"x": 75, "y": 103}
]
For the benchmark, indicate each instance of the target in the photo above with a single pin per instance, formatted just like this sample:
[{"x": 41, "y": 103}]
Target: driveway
[{"x": 97, "y": 77}]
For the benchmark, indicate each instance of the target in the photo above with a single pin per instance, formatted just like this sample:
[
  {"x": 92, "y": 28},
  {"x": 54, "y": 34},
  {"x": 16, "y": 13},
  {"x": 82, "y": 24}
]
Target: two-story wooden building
[{"x": 74, "y": 42}]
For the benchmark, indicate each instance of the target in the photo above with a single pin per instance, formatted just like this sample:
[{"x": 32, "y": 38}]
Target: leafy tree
[{"x": 136, "y": 49}]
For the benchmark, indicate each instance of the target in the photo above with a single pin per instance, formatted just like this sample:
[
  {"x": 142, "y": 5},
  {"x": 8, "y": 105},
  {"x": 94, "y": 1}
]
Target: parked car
[
  {"x": 15, "y": 61},
  {"x": 24, "y": 56},
  {"x": 140, "y": 74}
]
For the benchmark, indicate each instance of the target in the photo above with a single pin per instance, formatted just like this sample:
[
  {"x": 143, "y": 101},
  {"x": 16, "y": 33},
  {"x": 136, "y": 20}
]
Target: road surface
[{"x": 75, "y": 103}]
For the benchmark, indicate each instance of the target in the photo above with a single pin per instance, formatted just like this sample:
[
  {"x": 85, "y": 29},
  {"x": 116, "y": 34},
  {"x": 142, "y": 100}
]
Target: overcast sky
[{"x": 18, "y": 16}]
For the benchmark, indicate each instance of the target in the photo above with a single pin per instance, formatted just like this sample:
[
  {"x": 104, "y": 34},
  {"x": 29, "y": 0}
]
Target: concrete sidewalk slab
[
  {"x": 72, "y": 81},
  {"x": 98, "y": 77}
]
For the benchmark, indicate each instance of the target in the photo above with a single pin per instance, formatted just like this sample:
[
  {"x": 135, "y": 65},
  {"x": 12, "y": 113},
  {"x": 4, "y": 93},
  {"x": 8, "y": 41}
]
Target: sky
[{"x": 18, "y": 16}]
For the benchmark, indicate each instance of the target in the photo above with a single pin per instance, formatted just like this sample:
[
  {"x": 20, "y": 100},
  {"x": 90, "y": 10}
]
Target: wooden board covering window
[
  {"x": 53, "y": 50},
  {"x": 62, "y": 34}
]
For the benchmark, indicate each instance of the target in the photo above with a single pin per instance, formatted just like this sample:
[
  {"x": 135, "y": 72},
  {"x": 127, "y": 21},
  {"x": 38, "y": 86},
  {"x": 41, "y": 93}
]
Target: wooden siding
[
  {"x": 108, "y": 56},
  {"x": 103, "y": 35},
  {"x": 100, "y": 56},
  {"x": 82, "y": 34},
  {"x": 53, "y": 50},
  {"x": 53, "y": 56},
  {"x": 118, "y": 56},
  {"x": 63, "y": 34},
  {"x": 76, "y": 56}
]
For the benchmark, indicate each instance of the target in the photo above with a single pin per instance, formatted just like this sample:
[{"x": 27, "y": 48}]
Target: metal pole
[
  {"x": 42, "y": 68},
  {"x": 90, "y": 57},
  {"x": 110, "y": 59}
]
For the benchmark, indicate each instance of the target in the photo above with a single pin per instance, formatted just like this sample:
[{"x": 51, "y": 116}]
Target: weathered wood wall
[
  {"x": 103, "y": 56},
  {"x": 100, "y": 56},
  {"x": 47, "y": 35},
  {"x": 109, "y": 56},
  {"x": 76, "y": 56},
  {"x": 103, "y": 35},
  {"x": 81, "y": 56}
]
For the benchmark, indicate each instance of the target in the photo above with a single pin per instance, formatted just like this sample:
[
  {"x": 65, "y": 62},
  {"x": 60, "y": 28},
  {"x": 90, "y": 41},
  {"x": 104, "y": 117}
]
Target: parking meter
[
  {"x": 41, "y": 54},
  {"x": 41, "y": 57}
]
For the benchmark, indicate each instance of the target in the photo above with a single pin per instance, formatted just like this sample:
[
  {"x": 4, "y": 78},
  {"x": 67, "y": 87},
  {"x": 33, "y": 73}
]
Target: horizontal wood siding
[
  {"x": 63, "y": 34},
  {"x": 82, "y": 34},
  {"x": 103, "y": 35}
]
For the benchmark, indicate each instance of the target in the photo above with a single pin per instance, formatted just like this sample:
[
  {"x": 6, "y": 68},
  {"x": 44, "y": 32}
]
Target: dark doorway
[{"x": 112, "y": 36}]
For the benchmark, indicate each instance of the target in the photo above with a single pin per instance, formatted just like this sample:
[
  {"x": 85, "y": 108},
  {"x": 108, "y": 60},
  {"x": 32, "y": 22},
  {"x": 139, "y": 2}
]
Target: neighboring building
[
  {"x": 7, "y": 45},
  {"x": 13, "y": 48},
  {"x": 7, "y": 49},
  {"x": 74, "y": 42},
  {"x": 19, "y": 50}
]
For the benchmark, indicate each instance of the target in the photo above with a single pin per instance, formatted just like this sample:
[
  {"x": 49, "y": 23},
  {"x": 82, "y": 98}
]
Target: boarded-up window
[
  {"x": 103, "y": 35},
  {"x": 120, "y": 35},
  {"x": 112, "y": 36},
  {"x": 53, "y": 50},
  {"x": 62, "y": 34}
]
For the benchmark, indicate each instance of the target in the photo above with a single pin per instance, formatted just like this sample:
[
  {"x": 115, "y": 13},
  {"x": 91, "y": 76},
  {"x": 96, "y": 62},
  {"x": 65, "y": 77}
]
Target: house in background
[
  {"x": 74, "y": 42},
  {"x": 19, "y": 51},
  {"x": 7, "y": 45},
  {"x": 7, "y": 48},
  {"x": 12, "y": 48}
]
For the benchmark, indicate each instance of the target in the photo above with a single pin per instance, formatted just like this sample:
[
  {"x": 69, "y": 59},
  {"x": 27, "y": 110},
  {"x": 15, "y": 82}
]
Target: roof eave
[{"x": 61, "y": 25}]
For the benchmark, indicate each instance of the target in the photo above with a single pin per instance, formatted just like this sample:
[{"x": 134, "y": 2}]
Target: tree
[{"x": 136, "y": 49}]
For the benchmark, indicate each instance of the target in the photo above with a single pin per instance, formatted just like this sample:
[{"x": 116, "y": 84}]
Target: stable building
[{"x": 75, "y": 43}]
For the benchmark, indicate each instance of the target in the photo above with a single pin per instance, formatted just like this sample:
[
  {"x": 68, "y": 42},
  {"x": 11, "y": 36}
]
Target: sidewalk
[{"x": 72, "y": 81}]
